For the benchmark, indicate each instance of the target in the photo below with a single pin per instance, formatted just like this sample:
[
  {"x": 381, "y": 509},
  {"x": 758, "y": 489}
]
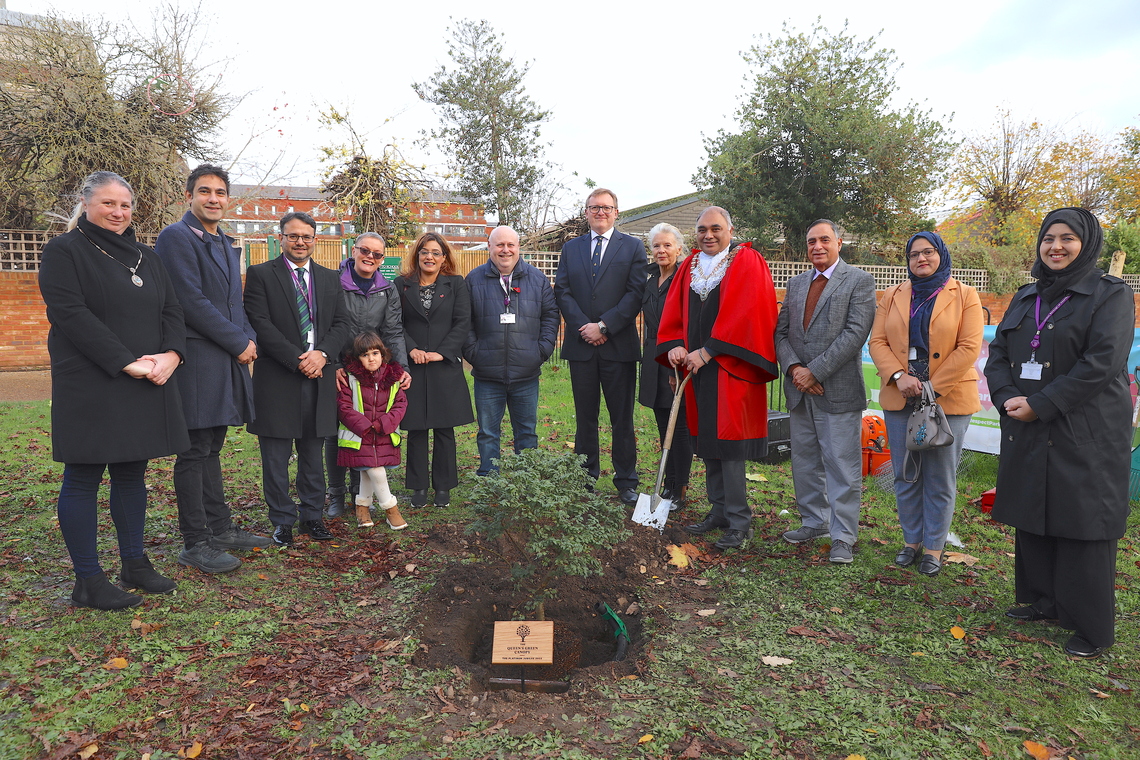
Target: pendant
[{"x": 136, "y": 280}]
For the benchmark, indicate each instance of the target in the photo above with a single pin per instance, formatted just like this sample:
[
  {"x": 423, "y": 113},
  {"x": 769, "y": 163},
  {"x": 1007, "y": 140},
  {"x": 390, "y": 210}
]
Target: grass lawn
[{"x": 308, "y": 652}]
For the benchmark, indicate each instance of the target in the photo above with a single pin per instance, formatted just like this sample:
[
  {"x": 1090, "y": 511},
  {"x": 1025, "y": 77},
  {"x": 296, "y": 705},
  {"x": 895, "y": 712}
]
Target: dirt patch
[
  {"x": 34, "y": 385},
  {"x": 457, "y": 615}
]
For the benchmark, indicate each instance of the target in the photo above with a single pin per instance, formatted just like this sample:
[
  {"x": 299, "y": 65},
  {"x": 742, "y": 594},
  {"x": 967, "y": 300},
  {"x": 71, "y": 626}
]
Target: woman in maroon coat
[{"x": 370, "y": 408}]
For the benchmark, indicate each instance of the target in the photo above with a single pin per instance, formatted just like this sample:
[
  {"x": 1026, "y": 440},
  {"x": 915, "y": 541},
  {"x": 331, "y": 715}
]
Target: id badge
[
  {"x": 310, "y": 338},
  {"x": 913, "y": 353},
  {"x": 1031, "y": 370},
  {"x": 507, "y": 319}
]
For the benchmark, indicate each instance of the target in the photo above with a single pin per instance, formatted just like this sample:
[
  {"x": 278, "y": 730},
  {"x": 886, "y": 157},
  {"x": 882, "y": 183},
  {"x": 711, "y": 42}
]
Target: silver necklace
[{"x": 138, "y": 283}]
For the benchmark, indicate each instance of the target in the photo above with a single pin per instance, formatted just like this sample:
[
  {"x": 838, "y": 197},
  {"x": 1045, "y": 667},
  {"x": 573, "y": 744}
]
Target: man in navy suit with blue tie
[{"x": 600, "y": 279}]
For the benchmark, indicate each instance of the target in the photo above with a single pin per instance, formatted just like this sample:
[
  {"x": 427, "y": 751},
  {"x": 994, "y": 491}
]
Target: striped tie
[{"x": 303, "y": 305}]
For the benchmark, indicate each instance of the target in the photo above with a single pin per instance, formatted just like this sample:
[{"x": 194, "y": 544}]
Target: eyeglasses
[
  {"x": 434, "y": 254},
  {"x": 929, "y": 253},
  {"x": 299, "y": 238},
  {"x": 601, "y": 209},
  {"x": 367, "y": 254}
]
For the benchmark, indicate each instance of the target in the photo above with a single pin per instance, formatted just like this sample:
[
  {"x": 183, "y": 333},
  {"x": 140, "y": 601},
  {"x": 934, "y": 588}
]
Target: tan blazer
[{"x": 955, "y": 342}]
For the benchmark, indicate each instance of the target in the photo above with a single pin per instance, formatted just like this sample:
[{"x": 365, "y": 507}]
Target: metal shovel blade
[{"x": 651, "y": 511}]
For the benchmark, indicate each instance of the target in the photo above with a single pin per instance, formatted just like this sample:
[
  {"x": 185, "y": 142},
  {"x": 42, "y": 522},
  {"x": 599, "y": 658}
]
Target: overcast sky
[{"x": 633, "y": 87}]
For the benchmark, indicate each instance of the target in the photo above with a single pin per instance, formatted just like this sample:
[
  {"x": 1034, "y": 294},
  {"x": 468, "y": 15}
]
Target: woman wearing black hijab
[
  {"x": 927, "y": 328},
  {"x": 1058, "y": 376}
]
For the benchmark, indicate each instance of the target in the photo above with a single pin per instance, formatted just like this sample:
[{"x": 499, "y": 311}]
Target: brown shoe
[
  {"x": 363, "y": 516},
  {"x": 396, "y": 521}
]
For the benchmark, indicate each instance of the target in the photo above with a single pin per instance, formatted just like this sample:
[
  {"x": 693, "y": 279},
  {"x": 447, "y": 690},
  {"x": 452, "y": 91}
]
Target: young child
[{"x": 370, "y": 410}]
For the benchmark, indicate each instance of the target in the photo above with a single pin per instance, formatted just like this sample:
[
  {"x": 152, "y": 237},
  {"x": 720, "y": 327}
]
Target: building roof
[
  {"x": 312, "y": 193},
  {"x": 681, "y": 212}
]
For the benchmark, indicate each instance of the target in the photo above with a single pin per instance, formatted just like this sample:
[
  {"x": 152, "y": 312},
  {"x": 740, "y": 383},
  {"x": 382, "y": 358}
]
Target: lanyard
[
  {"x": 306, "y": 291},
  {"x": 1035, "y": 343},
  {"x": 914, "y": 309}
]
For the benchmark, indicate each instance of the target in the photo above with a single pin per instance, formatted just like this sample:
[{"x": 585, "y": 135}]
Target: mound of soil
[{"x": 457, "y": 615}]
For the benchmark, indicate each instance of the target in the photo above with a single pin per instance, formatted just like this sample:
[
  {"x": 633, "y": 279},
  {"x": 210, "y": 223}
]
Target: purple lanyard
[
  {"x": 1036, "y": 342},
  {"x": 914, "y": 309},
  {"x": 306, "y": 291},
  {"x": 506, "y": 282}
]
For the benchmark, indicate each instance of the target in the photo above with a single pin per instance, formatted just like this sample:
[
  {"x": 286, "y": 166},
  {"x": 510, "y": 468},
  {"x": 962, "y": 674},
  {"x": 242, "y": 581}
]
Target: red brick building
[{"x": 255, "y": 211}]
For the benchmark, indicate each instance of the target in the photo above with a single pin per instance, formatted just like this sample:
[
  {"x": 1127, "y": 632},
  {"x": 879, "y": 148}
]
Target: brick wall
[{"x": 23, "y": 335}]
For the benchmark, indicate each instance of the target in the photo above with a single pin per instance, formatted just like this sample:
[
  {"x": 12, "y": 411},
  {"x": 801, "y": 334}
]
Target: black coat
[
  {"x": 100, "y": 323},
  {"x": 438, "y": 396},
  {"x": 271, "y": 305},
  {"x": 654, "y": 390},
  {"x": 1066, "y": 473}
]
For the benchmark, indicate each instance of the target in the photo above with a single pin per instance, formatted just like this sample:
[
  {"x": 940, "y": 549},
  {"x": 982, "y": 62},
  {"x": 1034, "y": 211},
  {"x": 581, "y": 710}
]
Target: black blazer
[
  {"x": 271, "y": 305},
  {"x": 438, "y": 396},
  {"x": 613, "y": 297}
]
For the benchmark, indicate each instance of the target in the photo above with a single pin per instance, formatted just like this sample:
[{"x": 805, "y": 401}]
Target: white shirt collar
[{"x": 826, "y": 273}]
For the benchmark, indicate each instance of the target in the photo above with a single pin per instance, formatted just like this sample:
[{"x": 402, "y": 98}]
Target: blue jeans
[
  {"x": 926, "y": 507},
  {"x": 491, "y": 399}
]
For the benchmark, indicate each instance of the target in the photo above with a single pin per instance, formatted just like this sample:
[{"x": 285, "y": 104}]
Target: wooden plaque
[{"x": 523, "y": 642}]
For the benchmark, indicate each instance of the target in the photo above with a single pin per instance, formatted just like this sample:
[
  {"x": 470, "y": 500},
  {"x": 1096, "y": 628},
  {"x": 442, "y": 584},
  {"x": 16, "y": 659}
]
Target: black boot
[
  {"x": 140, "y": 574},
  {"x": 97, "y": 592},
  {"x": 336, "y": 502}
]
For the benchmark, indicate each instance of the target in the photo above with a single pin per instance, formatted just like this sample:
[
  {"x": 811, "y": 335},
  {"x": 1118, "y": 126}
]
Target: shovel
[{"x": 653, "y": 511}]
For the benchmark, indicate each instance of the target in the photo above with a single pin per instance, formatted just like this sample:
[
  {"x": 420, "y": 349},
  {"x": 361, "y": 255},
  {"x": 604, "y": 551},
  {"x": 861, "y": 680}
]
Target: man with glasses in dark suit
[
  {"x": 598, "y": 286},
  {"x": 296, "y": 309}
]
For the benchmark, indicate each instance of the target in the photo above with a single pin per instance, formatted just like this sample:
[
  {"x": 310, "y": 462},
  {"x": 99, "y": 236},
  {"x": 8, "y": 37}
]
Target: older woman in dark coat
[
  {"x": 436, "y": 316},
  {"x": 1058, "y": 375},
  {"x": 666, "y": 245},
  {"x": 117, "y": 335}
]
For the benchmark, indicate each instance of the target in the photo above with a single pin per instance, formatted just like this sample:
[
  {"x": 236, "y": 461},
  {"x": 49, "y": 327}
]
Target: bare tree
[
  {"x": 379, "y": 191},
  {"x": 79, "y": 96}
]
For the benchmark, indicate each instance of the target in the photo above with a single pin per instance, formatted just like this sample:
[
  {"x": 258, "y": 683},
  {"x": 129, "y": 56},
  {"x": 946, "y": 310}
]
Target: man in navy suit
[
  {"x": 598, "y": 286},
  {"x": 297, "y": 309},
  {"x": 205, "y": 269}
]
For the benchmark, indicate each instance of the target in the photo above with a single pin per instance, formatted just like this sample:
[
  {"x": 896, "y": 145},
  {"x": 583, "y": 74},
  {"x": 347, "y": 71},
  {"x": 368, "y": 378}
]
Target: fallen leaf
[
  {"x": 693, "y": 750},
  {"x": 837, "y": 610},
  {"x": 985, "y": 748},
  {"x": 646, "y": 738},
  {"x": 706, "y": 613},
  {"x": 1037, "y": 751},
  {"x": 643, "y": 569},
  {"x": 629, "y": 678},
  {"x": 774, "y": 661},
  {"x": 727, "y": 672},
  {"x": 756, "y": 476},
  {"x": 855, "y": 757},
  {"x": 1098, "y": 694},
  {"x": 88, "y": 751},
  {"x": 262, "y": 577},
  {"x": 959, "y": 558},
  {"x": 957, "y": 632},
  {"x": 295, "y": 725},
  {"x": 410, "y": 567},
  {"x": 115, "y": 663},
  {"x": 677, "y": 556},
  {"x": 918, "y": 654},
  {"x": 193, "y": 750}
]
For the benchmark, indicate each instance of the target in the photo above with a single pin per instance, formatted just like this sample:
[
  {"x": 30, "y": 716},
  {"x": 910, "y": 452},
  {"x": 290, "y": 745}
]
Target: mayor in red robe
[{"x": 719, "y": 323}]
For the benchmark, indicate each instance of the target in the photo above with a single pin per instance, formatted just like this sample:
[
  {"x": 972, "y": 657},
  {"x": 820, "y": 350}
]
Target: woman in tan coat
[{"x": 928, "y": 328}]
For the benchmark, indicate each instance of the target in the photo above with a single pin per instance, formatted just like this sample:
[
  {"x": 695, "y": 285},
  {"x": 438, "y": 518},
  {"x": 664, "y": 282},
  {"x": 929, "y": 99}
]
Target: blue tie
[{"x": 596, "y": 260}]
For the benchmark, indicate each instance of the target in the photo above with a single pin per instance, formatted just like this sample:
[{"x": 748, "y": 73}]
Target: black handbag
[{"x": 927, "y": 428}]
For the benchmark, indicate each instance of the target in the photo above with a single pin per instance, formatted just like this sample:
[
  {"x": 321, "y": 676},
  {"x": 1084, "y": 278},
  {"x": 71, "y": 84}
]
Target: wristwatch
[
  {"x": 602, "y": 328},
  {"x": 895, "y": 377}
]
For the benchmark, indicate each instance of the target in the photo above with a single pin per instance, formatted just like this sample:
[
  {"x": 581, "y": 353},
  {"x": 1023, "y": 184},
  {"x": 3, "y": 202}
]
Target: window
[
  {"x": 239, "y": 209},
  {"x": 240, "y": 227},
  {"x": 273, "y": 210},
  {"x": 291, "y": 211},
  {"x": 257, "y": 210},
  {"x": 437, "y": 214},
  {"x": 459, "y": 214}
]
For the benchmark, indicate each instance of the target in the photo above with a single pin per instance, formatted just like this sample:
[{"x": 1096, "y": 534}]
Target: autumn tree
[
  {"x": 79, "y": 96},
  {"x": 489, "y": 126},
  {"x": 820, "y": 136},
  {"x": 1126, "y": 181},
  {"x": 379, "y": 191}
]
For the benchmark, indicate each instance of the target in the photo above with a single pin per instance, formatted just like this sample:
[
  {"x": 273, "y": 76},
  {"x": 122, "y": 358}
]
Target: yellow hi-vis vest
[{"x": 350, "y": 440}]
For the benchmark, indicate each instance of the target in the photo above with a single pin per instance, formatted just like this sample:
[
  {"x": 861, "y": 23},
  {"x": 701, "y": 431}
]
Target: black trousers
[
  {"x": 728, "y": 492},
  {"x": 202, "y": 508},
  {"x": 618, "y": 382},
  {"x": 1071, "y": 580},
  {"x": 310, "y": 483},
  {"x": 334, "y": 473},
  {"x": 443, "y": 473},
  {"x": 680, "y": 462}
]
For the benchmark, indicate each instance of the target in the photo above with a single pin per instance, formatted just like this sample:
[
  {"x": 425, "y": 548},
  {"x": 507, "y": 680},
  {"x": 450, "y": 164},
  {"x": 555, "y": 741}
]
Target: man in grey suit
[
  {"x": 825, "y": 320},
  {"x": 205, "y": 270},
  {"x": 598, "y": 287}
]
